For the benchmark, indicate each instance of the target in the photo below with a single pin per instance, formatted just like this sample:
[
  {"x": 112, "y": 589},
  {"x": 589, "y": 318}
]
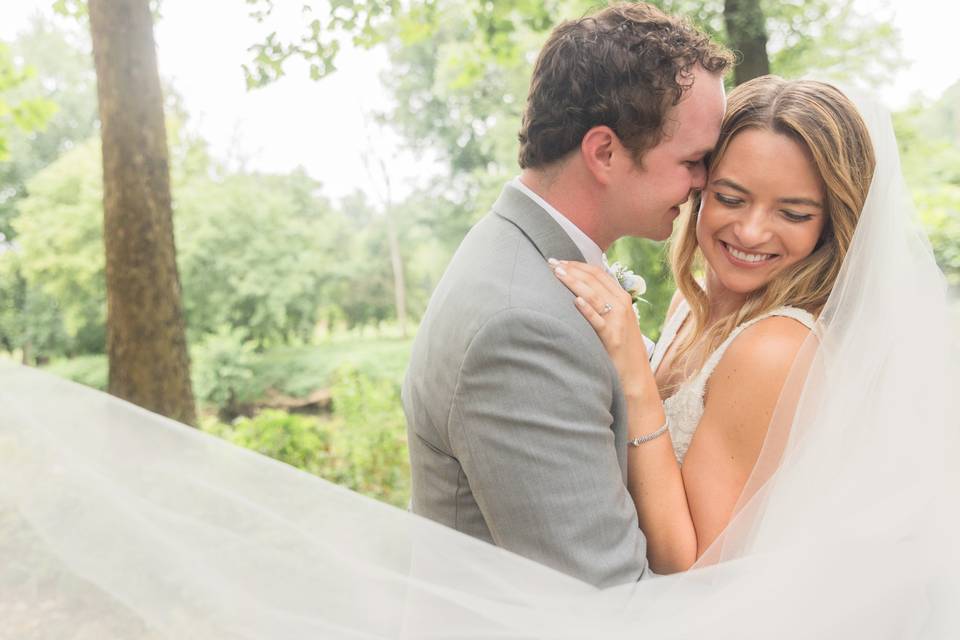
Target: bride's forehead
[{"x": 763, "y": 158}]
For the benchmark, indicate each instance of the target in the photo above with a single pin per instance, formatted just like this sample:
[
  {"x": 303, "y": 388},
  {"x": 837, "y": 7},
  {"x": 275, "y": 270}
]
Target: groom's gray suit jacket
[{"x": 516, "y": 420}]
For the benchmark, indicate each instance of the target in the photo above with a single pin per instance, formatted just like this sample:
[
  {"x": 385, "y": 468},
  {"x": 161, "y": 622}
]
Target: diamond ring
[{"x": 607, "y": 308}]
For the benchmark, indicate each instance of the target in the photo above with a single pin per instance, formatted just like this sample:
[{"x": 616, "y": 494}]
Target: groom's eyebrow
[{"x": 726, "y": 182}]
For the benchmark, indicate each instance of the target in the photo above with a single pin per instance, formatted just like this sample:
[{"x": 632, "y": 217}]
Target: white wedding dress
[
  {"x": 684, "y": 408},
  {"x": 116, "y": 523}
]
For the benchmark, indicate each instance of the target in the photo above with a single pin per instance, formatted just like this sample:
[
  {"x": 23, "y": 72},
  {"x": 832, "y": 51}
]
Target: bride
[{"x": 831, "y": 512}]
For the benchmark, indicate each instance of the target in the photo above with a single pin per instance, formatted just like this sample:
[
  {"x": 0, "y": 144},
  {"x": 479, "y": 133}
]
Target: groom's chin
[{"x": 662, "y": 233}]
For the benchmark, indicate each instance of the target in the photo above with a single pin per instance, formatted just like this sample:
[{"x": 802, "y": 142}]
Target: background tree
[
  {"x": 146, "y": 337},
  {"x": 747, "y": 35},
  {"x": 56, "y": 85},
  {"x": 60, "y": 75},
  {"x": 380, "y": 179}
]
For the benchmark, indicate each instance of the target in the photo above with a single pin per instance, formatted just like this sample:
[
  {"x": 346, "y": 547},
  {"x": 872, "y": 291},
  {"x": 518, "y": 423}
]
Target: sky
[{"x": 326, "y": 126}]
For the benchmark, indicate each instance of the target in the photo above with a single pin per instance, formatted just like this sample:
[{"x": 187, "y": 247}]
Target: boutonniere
[{"x": 631, "y": 282}]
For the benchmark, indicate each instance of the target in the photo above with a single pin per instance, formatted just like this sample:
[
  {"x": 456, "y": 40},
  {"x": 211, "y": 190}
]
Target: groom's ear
[{"x": 598, "y": 148}]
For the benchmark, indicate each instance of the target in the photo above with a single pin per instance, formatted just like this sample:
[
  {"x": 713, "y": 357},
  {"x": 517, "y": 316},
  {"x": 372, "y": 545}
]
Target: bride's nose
[{"x": 752, "y": 229}]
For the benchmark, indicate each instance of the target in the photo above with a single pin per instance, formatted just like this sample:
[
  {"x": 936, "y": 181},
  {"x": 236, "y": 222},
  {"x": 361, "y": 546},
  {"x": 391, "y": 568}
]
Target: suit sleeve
[{"x": 531, "y": 425}]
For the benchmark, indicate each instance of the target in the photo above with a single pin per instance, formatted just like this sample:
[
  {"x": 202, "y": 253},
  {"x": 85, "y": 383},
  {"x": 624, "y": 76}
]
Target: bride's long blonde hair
[{"x": 826, "y": 123}]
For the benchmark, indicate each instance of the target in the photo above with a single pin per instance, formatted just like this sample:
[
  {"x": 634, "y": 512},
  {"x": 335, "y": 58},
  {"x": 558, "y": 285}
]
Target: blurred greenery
[
  {"x": 362, "y": 445},
  {"x": 294, "y": 371},
  {"x": 289, "y": 295}
]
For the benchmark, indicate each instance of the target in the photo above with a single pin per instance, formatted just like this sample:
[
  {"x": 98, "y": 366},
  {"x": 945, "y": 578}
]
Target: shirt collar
[{"x": 591, "y": 252}]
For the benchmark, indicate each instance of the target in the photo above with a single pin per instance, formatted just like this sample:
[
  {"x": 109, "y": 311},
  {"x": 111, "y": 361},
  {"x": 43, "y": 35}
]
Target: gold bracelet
[{"x": 636, "y": 442}]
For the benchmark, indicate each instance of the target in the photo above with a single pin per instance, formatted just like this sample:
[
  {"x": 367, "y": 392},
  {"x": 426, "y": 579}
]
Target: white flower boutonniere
[{"x": 631, "y": 282}]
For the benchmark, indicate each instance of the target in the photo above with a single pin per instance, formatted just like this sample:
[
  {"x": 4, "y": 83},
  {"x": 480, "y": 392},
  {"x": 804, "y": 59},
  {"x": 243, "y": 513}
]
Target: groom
[{"x": 516, "y": 419}]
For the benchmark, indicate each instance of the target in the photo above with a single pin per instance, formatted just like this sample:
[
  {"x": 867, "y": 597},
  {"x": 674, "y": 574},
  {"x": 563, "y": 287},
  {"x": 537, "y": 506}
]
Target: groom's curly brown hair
[{"x": 623, "y": 67}]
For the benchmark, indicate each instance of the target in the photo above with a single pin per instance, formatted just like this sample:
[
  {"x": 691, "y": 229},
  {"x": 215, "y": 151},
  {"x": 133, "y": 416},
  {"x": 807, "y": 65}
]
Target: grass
[{"x": 87, "y": 370}]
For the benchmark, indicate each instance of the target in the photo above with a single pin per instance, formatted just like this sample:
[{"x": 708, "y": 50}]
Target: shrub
[
  {"x": 369, "y": 437},
  {"x": 301, "y": 441},
  {"x": 362, "y": 446},
  {"x": 223, "y": 373}
]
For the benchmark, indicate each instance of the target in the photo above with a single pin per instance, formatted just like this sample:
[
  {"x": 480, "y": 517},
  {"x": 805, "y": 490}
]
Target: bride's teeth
[{"x": 747, "y": 257}]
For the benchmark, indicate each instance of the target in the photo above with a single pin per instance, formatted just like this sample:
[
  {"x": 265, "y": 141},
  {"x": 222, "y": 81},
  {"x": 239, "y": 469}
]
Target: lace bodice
[{"x": 684, "y": 409}]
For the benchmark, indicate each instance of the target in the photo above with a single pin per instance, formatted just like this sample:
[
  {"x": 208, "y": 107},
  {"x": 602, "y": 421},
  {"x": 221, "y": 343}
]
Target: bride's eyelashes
[
  {"x": 728, "y": 201},
  {"x": 796, "y": 217},
  {"x": 731, "y": 202}
]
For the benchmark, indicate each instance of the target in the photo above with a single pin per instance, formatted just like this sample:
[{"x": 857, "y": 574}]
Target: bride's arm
[
  {"x": 742, "y": 395},
  {"x": 682, "y": 513}
]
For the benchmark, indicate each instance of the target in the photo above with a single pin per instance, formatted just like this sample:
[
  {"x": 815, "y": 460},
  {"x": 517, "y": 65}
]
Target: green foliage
[
  {"x": 33, "y": 317},
  {"x": 297, "y": 371},
  {"x": 318, "y": 43},
  {"x": 263, "y": 256},
  {"x": 30, "y": 320},
  {"x": 930, "y": 156},
  {"x": 57, "y": 94},
  {"x": 24, "y": 113},
  {"x": 369, "y": 437},
  {"x": 223, "y": 376},
  {"x": 363, "y": 447},
  {"x": 301, "y": 441},
  {"x": 254, "y": 252},
  {"x": 60, "y": 245},
  {"x": 832, "y": 40}
]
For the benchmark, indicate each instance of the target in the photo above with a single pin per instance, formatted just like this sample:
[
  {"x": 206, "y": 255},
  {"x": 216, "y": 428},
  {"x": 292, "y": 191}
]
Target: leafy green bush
[
  {"x": 362, "y": 446},
  {"x": 223, "y": 374},
  {"x": 369, "y": 437},
  {"x": 301, "y": 441}
]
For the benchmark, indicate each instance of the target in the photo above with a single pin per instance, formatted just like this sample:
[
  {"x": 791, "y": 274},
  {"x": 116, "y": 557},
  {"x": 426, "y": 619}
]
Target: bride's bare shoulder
[{"x": 760, "y": 358}]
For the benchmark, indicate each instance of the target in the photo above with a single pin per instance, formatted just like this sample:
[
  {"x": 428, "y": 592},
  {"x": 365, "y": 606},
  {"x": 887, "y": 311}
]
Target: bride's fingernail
[
  {"x": 560, "y": 271},
  {"x": 553, "y": 261},
  {"x": 580, "y": 301}
]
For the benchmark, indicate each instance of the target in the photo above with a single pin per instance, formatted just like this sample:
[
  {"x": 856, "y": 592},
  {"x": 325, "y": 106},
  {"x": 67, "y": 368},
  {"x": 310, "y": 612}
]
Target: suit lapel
[{"x": 543, "y": 231}]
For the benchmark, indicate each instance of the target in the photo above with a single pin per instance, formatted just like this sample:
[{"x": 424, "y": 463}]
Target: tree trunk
[
  {"x": 396, "y": 259},
  {"x": 747, "y": 33},
  {"x": 146, "y": 338},
  {"x": 396, "y": 262}
]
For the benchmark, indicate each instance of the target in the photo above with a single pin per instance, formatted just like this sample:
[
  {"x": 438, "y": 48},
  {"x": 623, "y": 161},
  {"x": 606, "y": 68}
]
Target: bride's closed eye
[
  {"x": 796, "y": 217},
  {"x": 729, "y": 201}
]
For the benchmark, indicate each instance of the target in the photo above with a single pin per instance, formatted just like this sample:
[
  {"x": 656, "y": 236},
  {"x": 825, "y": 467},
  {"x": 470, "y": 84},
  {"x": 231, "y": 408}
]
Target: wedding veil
[{"x": 117, "y": 523}]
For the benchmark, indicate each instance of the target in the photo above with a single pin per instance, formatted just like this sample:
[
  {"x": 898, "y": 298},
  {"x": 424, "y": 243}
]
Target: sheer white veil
[{"x": 117, "y": 523}]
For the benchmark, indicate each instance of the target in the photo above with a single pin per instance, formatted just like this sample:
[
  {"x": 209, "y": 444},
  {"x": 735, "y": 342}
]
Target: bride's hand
[{"x": 609, "y": 310}]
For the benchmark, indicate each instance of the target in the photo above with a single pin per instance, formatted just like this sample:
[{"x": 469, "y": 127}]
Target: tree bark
[
  {"x": 146, "y": 339},
  {"x": 747, "y": 33}
]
